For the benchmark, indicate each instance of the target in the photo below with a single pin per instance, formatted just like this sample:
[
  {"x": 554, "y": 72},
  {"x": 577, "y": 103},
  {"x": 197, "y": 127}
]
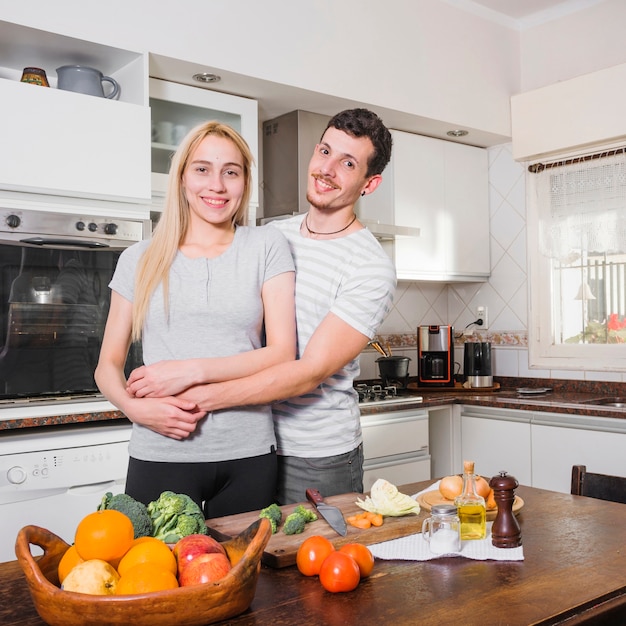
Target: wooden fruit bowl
[{"x": 191, "y": 606}]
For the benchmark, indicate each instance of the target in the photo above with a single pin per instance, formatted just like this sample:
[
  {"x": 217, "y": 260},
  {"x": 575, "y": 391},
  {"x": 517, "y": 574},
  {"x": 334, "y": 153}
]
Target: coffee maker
[{"x": 435, "y": 352}]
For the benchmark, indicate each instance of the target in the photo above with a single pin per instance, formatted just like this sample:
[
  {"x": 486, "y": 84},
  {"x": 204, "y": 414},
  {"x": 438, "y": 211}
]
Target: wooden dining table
[{"x": 573, "y": 572}]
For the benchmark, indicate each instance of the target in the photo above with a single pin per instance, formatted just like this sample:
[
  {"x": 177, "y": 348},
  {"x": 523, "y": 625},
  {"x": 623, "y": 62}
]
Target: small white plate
[{"x": 532, "y": 391}]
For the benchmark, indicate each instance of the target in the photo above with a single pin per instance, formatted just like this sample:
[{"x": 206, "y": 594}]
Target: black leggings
[{"x": 219, "y": 488}]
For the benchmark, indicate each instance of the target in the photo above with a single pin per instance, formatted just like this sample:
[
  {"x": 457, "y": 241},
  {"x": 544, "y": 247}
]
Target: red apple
[
  {"x": 190, "y": 547},
  {"x": 205, "y": 568}
]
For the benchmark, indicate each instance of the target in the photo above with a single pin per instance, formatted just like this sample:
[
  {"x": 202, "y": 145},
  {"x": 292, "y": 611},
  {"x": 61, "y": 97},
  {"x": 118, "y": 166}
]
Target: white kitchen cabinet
[
  {"x": 497, "y": 440},
  {"x": 440, "y": 187},
  {"x": 560, "y": 441},
  {"x": 72, "y": 144},
  {"x": 395, "y": 447},
  {"x": 176, "y": 109},
  {"x": 443, "y": 439}
]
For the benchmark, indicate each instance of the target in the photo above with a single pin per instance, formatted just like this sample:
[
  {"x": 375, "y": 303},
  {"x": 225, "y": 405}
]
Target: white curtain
[{"x": 581, "y": 205}]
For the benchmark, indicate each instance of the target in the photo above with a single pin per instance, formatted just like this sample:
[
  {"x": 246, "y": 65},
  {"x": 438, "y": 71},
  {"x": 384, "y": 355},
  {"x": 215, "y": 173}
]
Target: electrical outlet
[{"x": 481, "y": 314}]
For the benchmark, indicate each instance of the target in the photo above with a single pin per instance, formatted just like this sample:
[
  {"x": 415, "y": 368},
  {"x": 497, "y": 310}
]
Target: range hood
[{"x": 288, "y": 143}]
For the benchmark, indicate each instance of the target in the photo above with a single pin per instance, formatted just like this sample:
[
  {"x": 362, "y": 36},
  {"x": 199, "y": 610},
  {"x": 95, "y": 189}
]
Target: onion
[
  {"x": 450, "y": 487},
  {"x": 482, "y": 487}
]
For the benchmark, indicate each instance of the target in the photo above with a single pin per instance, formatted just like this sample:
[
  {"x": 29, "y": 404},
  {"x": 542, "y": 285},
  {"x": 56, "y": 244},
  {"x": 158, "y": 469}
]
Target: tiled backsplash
[{"x": 505, "y": 294}]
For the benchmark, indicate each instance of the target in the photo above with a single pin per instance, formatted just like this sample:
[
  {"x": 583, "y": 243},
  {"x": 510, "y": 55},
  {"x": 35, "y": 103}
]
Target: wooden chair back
[{"x": 601, "y": 486}]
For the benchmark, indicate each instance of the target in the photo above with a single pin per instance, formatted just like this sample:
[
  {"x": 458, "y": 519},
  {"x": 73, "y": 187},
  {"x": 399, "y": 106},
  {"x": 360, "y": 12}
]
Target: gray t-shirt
[{"x": 215, "y": 309}]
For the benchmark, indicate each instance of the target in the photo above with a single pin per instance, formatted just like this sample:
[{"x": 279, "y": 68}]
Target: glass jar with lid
[{"x": 442, "y": 530}]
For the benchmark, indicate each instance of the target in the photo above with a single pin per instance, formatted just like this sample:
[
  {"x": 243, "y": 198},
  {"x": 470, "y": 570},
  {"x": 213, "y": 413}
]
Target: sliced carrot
[
  {"x": 376, "y": 519},
  {"x": 360, "y": 522},
  {"x": 366, "y": 519}
]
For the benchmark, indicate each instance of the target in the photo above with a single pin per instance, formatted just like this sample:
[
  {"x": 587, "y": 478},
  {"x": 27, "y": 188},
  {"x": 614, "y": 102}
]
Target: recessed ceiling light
[
  {"x": 207, "y": 77},
  {"x": 457, "y": 133}
]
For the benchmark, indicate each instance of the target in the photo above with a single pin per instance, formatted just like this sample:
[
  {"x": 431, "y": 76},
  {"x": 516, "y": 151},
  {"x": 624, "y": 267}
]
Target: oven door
[{"x": 54, "y": 301}]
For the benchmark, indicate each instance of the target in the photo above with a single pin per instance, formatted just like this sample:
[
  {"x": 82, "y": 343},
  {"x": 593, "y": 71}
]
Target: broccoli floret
[
  {"x": 134, "y": 510},
  {"x": 274, "y": 514},
  {"x": 294, "y": 524},
  {"x": 298, "y": 519},
  {"x": 175, "y": 515},
  {"x": 308, "y": 514}
]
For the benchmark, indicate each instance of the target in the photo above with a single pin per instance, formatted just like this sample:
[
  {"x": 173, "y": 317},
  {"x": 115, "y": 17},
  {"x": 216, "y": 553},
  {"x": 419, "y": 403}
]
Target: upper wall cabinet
[
  {"x": 440, "y": 187},
  {"x": 62, "y": 142},
  {"x": 176, "y": 109}
]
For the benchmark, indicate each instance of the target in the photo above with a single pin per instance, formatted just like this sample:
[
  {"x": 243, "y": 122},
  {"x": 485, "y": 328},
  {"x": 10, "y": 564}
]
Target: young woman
[{"x": 211, "y": 299}]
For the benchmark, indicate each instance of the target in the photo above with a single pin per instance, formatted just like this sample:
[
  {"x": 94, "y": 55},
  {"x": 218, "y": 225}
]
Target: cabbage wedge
[{"x": 385, "y": 499}]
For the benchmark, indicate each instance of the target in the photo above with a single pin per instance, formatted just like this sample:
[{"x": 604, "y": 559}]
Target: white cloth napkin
[{"x": 416, "y": 548}]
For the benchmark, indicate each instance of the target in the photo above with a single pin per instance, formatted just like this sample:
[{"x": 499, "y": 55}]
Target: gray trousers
[{"x": 330, "y": 475}]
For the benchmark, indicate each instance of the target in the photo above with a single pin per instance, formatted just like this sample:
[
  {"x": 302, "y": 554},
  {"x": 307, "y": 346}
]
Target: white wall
[
  {"x": 422, "y": 57},
  {"x": 583, "y": 42}
]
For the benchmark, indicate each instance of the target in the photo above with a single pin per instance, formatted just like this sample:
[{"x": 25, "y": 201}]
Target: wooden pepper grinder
[{"x": 505, "y": 532}]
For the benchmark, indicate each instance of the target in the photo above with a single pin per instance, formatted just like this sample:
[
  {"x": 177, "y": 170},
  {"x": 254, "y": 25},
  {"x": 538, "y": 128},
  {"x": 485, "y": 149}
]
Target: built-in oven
[{"x": 54, "y": 299}]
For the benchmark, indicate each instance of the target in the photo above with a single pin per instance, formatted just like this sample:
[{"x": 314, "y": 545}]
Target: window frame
[{"x": 542, "y": 353}]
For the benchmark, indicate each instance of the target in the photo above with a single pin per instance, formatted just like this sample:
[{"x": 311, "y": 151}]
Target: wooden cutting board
[{"x": 281, "y": 549}]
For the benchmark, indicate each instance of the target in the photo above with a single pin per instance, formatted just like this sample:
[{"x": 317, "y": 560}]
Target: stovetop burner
[{"x": 377, "y": 394}]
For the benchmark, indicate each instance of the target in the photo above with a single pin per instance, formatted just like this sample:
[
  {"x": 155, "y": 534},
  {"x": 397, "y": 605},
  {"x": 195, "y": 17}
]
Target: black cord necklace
[{"x": 312, "y": 232}]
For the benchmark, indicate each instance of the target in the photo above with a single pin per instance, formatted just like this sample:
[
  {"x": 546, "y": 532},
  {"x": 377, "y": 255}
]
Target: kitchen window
[{"x": 577, "y": 262}]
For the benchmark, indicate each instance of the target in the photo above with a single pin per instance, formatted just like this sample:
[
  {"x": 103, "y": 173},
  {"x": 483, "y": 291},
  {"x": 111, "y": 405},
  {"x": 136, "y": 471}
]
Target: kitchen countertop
[
  {"x": 568, "y": 397},
  {"x": 572, "y": 573}
]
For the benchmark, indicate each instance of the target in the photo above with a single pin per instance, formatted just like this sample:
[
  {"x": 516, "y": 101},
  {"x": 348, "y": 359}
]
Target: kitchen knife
[{"x": 331, "y": 514}]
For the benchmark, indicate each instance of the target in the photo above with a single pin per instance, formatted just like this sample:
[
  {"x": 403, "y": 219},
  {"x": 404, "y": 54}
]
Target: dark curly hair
[{"x": 365, "y": 123}]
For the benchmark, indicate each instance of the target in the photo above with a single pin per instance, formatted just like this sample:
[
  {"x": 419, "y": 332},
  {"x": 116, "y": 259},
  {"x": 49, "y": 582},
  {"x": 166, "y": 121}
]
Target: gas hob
[{"x": 377, "y": 395}]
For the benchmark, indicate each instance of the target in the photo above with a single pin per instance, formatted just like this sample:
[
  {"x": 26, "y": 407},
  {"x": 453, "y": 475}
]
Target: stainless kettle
[
  {"x": 87, "y": 80},
  {"x": 477, "y": 364}
]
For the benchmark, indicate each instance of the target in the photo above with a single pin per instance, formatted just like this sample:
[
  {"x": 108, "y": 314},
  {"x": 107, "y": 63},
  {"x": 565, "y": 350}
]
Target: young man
[{"x": 344, "y": 289}]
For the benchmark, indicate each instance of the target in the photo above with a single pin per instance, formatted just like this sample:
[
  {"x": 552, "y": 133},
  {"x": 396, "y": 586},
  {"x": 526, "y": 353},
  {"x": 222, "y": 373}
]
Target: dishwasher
[{"x": 52, "y": 478}]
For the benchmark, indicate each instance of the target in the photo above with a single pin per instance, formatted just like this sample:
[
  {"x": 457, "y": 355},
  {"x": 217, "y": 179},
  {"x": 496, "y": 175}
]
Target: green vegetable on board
[
  {"x": 385, "y": 499},
  {"x": 136, "y": 511},
  {"x": 274, "y": 514},
  {"x": 297, "y": 520}
]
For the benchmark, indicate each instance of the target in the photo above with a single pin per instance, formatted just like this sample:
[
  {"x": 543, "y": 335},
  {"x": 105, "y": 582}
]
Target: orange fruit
[
  {"x": 155, "y": 552},
  {"x": 145, "y": 578},
  {"x": 68, "y": 561},
  {"x": 144, "y": 539},
  {"x": 106, "y": 535}
]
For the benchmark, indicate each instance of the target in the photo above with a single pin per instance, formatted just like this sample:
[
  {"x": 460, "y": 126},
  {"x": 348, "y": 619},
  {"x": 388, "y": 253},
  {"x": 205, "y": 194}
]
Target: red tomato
[
  {"x": 362, "y": 555},
  {"x": 312, "y": 553},
  {"x": 339, "y": 572}
]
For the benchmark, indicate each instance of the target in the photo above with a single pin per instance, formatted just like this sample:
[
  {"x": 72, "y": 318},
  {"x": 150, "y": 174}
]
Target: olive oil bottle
[{"x": 471, "y": 507}]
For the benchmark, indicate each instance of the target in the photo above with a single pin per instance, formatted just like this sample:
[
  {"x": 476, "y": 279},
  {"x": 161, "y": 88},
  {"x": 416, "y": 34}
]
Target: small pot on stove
[{"x": 394, "y": 371}]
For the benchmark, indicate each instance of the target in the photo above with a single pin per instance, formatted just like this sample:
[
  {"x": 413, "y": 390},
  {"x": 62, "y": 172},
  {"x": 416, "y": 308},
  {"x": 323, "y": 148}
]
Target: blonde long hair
[{"x": 169, "y": 234}]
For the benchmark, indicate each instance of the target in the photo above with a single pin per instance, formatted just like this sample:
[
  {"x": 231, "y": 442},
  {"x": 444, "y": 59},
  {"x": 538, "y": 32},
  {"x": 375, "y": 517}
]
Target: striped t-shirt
[{"x": 353, "y": 278}]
